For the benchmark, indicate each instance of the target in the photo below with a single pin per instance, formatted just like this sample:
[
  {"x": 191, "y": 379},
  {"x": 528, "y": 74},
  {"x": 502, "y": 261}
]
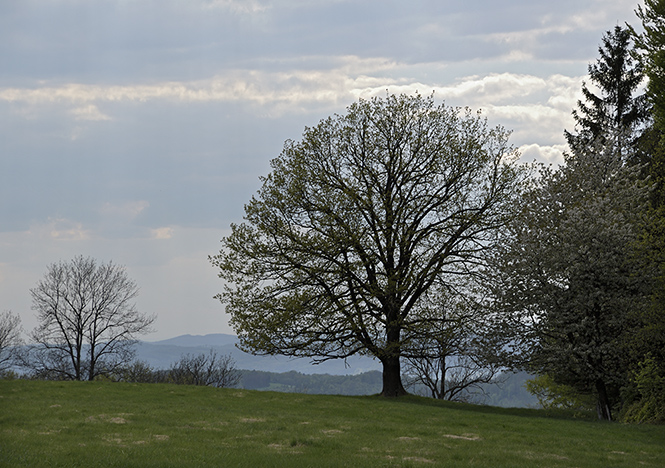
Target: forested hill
[{"x": 360, "y": 375}]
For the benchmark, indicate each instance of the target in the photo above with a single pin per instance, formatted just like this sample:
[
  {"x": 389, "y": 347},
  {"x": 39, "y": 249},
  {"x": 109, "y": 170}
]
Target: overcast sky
[{"x": 135, "y": 130}]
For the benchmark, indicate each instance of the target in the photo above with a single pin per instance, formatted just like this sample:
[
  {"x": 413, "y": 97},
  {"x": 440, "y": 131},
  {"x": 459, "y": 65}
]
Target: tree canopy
[
  {"x": 572, "y": 276},
  {"x": 357, "y": 221}
]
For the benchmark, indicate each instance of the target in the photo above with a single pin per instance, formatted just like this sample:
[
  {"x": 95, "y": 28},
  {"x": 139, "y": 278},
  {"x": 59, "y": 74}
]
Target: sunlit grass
[{"x": 82, "y": 424}]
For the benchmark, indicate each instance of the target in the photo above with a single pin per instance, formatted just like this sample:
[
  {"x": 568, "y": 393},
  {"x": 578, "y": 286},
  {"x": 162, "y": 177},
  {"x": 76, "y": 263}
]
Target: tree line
[{"x": 410, "y": 231}]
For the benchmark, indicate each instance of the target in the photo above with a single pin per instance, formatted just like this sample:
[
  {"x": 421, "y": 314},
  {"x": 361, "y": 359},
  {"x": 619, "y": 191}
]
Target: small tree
[
  {"x": 10, "y": 338},
  {"x": 87, "y": 320},
  {"x": 357, "y": 221},
  {"x": 206, "y": 370},
  {"x": 457, "y": 353}
]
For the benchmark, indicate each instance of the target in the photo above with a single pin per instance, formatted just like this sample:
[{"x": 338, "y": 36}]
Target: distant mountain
[
  {"x": 214, "y": 339},
  {"x": 161, "y": 354}
]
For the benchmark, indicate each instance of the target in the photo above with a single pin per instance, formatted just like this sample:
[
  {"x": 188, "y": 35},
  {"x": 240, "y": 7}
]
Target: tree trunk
[
  {"x": 603, "y": 405},
  {"x": 392, "y": 377},
  {"x": 91, "y": 365},
  {"x": 392, "y": 374},
  {"x": 442, "y": 364}
]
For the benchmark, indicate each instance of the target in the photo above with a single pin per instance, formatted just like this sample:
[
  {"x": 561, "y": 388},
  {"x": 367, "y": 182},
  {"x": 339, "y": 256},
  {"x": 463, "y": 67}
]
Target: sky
[{"x": 134, "y": 131}]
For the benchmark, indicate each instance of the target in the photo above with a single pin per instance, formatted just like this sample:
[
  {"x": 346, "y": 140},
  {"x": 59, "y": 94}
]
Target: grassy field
[{"x": 101, "y": 424}]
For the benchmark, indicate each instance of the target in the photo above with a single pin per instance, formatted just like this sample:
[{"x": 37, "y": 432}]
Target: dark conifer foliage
[{"x": 612, "y": 115}]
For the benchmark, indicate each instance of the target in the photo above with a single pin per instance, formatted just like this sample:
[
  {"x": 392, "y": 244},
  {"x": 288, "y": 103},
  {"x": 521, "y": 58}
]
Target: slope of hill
[{"x": 84, "y": 424}]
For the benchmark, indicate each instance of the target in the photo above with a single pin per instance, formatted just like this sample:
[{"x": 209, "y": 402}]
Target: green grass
[{"x": 102, "y": 424}]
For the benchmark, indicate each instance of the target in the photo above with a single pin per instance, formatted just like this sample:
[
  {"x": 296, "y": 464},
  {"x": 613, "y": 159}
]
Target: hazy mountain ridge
[
  {"x": 279, "y": 372},
  {"x": 161, "y": 354}
]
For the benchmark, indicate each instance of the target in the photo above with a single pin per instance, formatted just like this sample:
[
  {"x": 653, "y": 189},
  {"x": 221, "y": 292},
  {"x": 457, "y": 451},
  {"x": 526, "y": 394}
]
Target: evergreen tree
[
  {"x": 651, "y": 47},
  {"x": 614, "y": 116},
  {"x": 647, "y": 344}
]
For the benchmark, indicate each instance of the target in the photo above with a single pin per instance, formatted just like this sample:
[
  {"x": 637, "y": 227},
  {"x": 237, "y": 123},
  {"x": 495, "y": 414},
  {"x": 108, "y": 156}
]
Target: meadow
[{"x": 104, "y": 424}]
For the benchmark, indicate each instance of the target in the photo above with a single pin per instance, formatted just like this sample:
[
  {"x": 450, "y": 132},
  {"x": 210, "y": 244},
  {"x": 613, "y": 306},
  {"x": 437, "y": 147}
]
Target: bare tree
[
  {"x": 455, "y": 353},
  {"x": 206, "y": 370},
  {"x": 88, "y": 320},
  {"x": 140, "y": 372},
  {"x": 10, "y": 338}
]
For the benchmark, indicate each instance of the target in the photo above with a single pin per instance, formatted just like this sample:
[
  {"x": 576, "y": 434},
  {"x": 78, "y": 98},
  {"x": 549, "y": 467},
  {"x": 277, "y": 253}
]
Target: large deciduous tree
[
  {"x": 88, "y": 321},
  {"x": 572, "y": 277},
  {"x": 357, "y": 221}
]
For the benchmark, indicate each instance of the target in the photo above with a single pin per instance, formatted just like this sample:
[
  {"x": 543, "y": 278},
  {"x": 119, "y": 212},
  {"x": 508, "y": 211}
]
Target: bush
[
  {"x": 140, "y": 372},
  {"x": 557, "y": 396},
  {"x": 650, "y": 382},
  {"x": 201, "y": 369}
]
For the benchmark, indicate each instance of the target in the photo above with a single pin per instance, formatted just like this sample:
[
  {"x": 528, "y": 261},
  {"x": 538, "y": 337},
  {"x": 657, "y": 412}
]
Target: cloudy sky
[{"x": 135, "y": 130}]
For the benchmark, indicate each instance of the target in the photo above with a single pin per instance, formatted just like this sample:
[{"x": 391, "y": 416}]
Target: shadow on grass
[{"x": 485, "y": 409}]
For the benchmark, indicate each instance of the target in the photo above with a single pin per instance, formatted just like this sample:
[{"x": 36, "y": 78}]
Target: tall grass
[{"x": 102, "y": 424}]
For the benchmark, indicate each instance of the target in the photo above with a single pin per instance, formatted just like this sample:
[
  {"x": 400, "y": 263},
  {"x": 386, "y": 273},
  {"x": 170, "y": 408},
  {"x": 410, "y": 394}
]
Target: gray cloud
[{"x": 136, "y": 130}]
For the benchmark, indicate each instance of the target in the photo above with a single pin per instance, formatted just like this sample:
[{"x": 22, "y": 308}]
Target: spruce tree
[{"x": 614, "y": 115}]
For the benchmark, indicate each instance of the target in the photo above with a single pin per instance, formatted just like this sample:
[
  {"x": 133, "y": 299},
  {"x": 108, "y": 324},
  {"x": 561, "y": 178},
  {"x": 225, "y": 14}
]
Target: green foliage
[
  {"x": 571, "y": 278},
  {"x": 357, "y": 221},
  {"x": 651, "y": 44},
  {"x": 575, "y": 278},
  {"x": 552, "y": 395},
  {"x": 9, "y": 375},
  {"x": 650, "y": 382},
  {"x": 647, "y": 344},
  {"x": 105, "y": 424}
]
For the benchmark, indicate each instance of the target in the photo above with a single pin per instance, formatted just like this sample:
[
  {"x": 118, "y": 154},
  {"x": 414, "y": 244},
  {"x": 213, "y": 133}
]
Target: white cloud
[
  {"x": 89, "y": 112},
  {"x": 296, "y": 88},
  {"x": 60, "y": 229},
  {"x": 127, "y": 210},
  {"x": 547, "y": 154},
  {"x": 537, "y": 108},
  {"x": 161, "y": 233},
  {"x": 281, "y": 89}
]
